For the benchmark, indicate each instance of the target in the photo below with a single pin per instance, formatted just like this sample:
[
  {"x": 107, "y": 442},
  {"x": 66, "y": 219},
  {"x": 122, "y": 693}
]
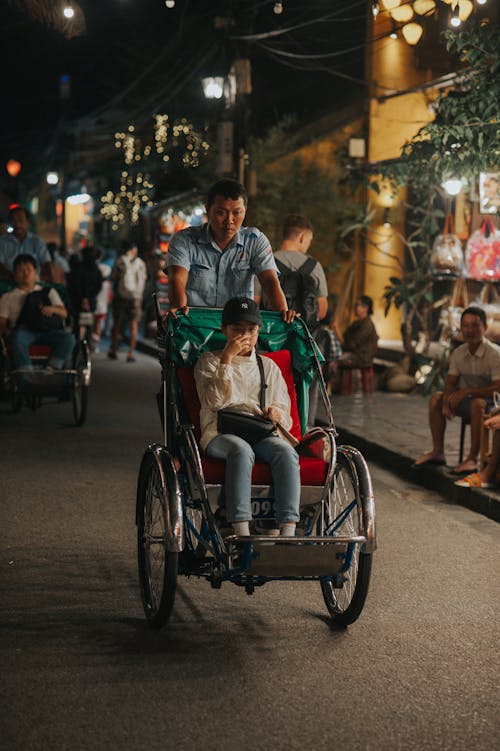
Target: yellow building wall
[{"x": 392, "y": 122}]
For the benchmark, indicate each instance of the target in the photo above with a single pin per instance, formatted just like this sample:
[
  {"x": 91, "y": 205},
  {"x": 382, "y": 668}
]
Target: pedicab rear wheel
[
  {"x": 345, "y": 602},
  {"x": 79, "y": 393},
  {"x": 157, "y": 565}
]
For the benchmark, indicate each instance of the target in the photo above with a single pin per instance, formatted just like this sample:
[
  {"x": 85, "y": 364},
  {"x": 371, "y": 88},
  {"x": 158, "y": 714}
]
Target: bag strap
[
  {"x": 263, "y": 384},
  {"x": 307, "y": 267}
]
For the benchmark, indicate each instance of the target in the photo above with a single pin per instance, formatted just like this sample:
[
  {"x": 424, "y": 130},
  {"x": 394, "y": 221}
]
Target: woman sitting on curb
[{"x": 486, "y": 478}]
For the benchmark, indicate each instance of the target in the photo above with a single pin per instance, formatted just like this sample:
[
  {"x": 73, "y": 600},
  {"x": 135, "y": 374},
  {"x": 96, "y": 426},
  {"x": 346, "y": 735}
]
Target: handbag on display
[
  {"x": 447, "y": 257},
  {"x": 482, "y": 252},
  {"x": 252, "y": 428}
]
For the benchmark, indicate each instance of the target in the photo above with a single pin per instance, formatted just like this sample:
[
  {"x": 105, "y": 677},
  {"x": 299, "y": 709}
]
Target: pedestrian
[
  {"x": 60, "y": 265},
  {"x": 103, "y": 298},
  {"x": 473, "y": 377},
  {"x": 128, "y": 277},
  {"x": 22, "y": 242},
  {"x": 359, "y": 340},
  {"x": 331, "y": 349},
  {"x": 302, "y": 277},
  {"x": 209, "y": 265},
  {"x": 84, "y": 283},
  {"x": 231, "y": 378}
]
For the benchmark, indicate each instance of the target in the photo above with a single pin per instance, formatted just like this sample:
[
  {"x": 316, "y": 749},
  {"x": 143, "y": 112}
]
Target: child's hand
[{"x": 271, "y": 413}]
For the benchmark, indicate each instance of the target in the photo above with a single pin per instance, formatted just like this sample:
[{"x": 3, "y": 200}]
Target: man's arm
[
  {"x": 177, "y": 280},
  {"x": 322, "y": 307},
  {"x": 274, "y": 294}
]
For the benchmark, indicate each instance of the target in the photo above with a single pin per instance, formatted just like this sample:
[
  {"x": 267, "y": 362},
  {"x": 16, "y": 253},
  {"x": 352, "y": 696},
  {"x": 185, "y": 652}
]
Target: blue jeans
[
  {"x": 61, "y": 342},
  {"x": 240, "y": 458}
]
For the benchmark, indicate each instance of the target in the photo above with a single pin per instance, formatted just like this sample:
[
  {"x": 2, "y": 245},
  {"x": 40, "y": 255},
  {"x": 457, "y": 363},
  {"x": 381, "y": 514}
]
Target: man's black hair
[
  {"x": 126, "y": 245},
  {"x": 367, "y": 302},
  {"x": 19, "y": 208},
  {"x": 227, "y": 189},
  {"x": 474, "y": 311},
  {"x": 23, "y": 258}
]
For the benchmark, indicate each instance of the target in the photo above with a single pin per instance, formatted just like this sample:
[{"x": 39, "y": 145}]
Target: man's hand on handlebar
[
  {"x": 289, "y": 315},
  {"x": 172, "y": 313}
]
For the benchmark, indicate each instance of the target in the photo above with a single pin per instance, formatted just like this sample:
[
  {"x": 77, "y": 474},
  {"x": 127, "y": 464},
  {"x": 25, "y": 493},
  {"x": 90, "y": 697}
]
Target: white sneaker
[{"x": 268, "y": 528}]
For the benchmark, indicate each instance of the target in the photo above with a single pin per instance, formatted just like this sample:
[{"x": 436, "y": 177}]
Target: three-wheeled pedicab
[
  {"x": 38, "y": 384},
  {"x": 180, "y": 525}
]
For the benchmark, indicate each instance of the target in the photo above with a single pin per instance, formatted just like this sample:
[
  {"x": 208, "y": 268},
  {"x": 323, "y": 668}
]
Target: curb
[{"x": 483, "y": 501}]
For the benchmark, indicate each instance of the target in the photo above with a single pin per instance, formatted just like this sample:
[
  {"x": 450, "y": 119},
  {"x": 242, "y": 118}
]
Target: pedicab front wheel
[
  {"x": 345, "y": 595},
  {"x": 157, "y": 565}
]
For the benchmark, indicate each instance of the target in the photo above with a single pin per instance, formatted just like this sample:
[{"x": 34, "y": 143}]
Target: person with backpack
[
  {"x": 129, "y": 277},
  {"x": 302, "y": 278}
]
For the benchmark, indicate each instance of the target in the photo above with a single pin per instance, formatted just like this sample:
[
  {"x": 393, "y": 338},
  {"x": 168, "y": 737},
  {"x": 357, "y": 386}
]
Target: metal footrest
[{"x": 292, "y": 556}]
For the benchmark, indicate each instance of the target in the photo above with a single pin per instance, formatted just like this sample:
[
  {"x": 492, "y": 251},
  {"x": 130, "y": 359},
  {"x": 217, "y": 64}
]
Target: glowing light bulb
[
  {"x": 68, "y": 11},
  {"x": 278, "y": 8},
  {"x": 455, "y": 18},
  {"x": 375, "y": 8},
  {"x": 170, "y": 3},
  {"x": 453, "y": 186}
]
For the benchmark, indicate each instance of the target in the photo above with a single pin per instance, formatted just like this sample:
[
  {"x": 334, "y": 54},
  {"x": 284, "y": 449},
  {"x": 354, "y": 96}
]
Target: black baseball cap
[{"x": 241, "y": 309}]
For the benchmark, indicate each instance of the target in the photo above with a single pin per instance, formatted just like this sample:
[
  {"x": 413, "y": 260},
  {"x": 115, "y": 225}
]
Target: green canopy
[{"x": 200, "y": 330}]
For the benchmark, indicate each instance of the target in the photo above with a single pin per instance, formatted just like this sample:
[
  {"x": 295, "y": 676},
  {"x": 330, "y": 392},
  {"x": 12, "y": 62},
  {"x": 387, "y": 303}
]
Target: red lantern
[{"x": 13, "y": 167}]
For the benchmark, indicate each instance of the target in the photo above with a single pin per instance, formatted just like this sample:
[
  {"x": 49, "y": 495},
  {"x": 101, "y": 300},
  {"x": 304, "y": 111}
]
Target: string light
[
  {"x": 278, "y": 8},
  {"x": 375, "y": 8},
  {"x": 455, "y": 17},
  {"x": 394, "y": 31},
  {"x": 68, "y": 10},
  {"x": 135, "y": 190},
  {"x": 170, "y": 3}
]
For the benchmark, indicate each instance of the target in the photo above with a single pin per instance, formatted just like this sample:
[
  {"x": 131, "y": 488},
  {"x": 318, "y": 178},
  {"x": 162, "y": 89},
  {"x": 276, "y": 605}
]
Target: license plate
[{"x": 263, "y": 508}]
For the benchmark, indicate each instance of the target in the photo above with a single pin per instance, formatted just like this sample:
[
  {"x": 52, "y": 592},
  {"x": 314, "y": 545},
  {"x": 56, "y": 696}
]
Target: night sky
[{"x": 125, "y": 38}]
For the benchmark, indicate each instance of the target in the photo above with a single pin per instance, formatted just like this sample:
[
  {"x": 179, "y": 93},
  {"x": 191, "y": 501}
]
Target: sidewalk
[{"x": 392, "y": 430}]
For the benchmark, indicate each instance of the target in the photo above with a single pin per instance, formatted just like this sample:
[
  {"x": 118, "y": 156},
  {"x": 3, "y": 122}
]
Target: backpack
[
  {"x": 301, "y": 290},
  {"x": 128, "y": 281},
  {"x": 31, "y": 317}
]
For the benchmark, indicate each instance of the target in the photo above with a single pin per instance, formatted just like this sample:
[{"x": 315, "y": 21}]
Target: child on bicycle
[{"x": 231, "y": 378}]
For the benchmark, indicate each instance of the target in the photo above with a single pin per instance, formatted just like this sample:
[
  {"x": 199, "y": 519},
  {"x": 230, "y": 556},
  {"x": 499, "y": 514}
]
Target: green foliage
[
  {"x": 464, "y": 137},
  {"x": 292, "y": 186}
]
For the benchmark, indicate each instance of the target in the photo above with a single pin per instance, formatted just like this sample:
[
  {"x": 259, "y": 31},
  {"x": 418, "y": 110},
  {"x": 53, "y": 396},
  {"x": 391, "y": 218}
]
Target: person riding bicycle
[{"x": 231, "y": 378}]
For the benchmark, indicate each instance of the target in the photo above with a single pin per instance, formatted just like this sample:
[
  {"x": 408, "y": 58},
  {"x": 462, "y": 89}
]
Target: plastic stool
[{"x": 367, "y": 380}]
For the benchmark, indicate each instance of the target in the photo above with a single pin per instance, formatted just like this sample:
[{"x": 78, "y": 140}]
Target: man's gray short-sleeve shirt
[{"x": 215, "y": 276}]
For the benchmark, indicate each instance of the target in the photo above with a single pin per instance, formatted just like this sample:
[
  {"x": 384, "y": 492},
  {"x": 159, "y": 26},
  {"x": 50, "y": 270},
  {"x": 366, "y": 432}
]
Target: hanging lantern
[
  {"x": 423, "y": 7},
  {"x": 402, "y": 13},
  {"x": 465, "y": 8},
  {"x": 412, "y": 32},
  {"x": 391, "y": 4},
  {"x": 13, "y": 167}
]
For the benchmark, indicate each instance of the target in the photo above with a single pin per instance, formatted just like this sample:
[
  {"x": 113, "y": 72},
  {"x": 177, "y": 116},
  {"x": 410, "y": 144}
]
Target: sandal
[{"x": 473, "y": 481}]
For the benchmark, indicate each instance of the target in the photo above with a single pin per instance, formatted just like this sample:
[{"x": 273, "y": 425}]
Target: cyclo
[
  {"x": 178, "y": 518},
  {"x": 36, "y": 385}
]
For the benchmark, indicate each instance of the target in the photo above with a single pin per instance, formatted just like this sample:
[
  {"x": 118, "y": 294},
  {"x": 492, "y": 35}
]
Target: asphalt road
[{"x": 81, "y": 670}]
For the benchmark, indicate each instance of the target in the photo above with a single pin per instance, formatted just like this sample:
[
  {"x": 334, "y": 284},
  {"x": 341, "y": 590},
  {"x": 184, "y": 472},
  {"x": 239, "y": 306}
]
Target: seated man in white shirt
[
  {"x": 46, "y": 324},
  {"x": 473, "y": 376}
]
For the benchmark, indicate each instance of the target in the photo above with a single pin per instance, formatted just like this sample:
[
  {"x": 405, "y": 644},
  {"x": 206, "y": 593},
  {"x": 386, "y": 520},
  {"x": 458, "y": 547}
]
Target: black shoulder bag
[{"x": 252, "y": 428}]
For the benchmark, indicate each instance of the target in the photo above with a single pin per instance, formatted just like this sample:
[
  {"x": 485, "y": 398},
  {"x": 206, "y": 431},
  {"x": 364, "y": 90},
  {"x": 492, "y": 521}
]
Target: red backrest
[{"x": 283, "y": 360}]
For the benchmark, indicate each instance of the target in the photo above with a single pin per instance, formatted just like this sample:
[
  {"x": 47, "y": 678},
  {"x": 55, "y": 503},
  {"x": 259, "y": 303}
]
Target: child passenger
[{"x": 231, "y": 378}]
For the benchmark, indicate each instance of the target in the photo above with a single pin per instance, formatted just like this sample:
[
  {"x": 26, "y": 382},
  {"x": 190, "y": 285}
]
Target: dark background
[{"x": 136, "y": 57}]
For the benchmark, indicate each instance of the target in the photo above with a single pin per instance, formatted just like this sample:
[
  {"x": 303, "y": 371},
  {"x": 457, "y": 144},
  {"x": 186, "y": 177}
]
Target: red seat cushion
[
  {"x": 40, "y": 350},
  {"x": 312, "y": 471}
]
